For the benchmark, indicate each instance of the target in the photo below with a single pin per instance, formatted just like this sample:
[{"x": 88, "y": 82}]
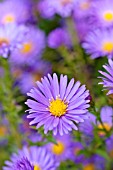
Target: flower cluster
[{"x": 54, "y": 115}]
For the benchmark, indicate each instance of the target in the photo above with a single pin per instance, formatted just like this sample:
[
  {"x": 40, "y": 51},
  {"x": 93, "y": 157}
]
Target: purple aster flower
[
  {"x": 106, "y": 115},
  {"x": 10, "y": 37},
  {"x": 61, "y": 150},
  {"x": 45, "y": 9},
  {"x": 63, "y": 7},
  {"x": 82, "y": 27},
  {"x": 108, "y": 77},
  {"x": 99, "y": 43},
  {"x": 38, "y": 157},
  {"x": 109, "y": 146},
  {"x": 103, "y": 13},
  {"x": 54, "y": 41},
  {"x": 29, "y": 133},
  {"x": 15, "y": 11},
  {"x": 23, "y": 164},
  {"x": 75, "y": 149},
  {"x": 33, "y": 74},
  {"x": 94, "y": 162},
  {"x": 82, "y": 9},
  {"x": 88, "y": 126},
  {"x": 30, "y": 48},
  {"x": 57, "y": 105}
]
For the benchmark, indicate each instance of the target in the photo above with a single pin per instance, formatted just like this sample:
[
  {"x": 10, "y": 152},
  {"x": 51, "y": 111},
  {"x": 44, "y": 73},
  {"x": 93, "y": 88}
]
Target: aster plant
[{"x": 58, "y": 106}]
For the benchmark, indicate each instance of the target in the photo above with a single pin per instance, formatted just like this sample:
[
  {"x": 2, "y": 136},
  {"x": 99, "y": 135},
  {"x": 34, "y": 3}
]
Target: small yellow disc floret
[{"x": 57, "y": 107}]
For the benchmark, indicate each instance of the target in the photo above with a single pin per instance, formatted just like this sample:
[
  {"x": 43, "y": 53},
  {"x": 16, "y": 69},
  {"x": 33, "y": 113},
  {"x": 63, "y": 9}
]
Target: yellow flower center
[
  {"x": 27, "y": 47},
  {"x": 108, "y": 16},
  {"x": 58, "y": 148},
  {"x": 89, "y": 167},
  {"x": 3, "y": 131},
  {"x": 57, "y": 107},
  {"x": 8, "y": 19},
  {"x": 36, "y": 167},
  {"x": 105, "y": 126},
  {"x": 85, "y": 5},
  {"x": 108, "y": 47}
]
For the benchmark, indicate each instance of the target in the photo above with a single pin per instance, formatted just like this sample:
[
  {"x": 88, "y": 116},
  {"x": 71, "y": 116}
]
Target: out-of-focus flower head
[
  {"x": 10, "y": 38},
  {"x": 94, "y": 162},
  {"x": 32, "y": 74},
  {"x": 15, "y": 11},
  {"x": 31, "y": 47},
  {"x": 99, "y": 43},
  {"x": 59, "y": 37},
  {"x": 103, "y": 13},
  {"x": 45, "y": 9},
  {"x": 28, "y": 132},
  {"x": 62, "y": 148},
  {"x": 82, "y": 27},
  {"x": 109, "y": 146},
  {"x": 23, "y": 164},
  {"x": 82, "y": 9},
  {"x": 106, "y": 115},
  {"x": 107, "y": 77},
  {"x": 64, "y": 8},
  {"x": 38, "y": 157},
  {"x": 58, "y": 105},
  {"x": 88, "y": 126},
  {"x": 75, "y": 149}
]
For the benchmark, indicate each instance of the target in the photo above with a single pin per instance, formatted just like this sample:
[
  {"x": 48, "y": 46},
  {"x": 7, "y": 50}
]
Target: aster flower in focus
[
  {"x": 15, "y": 11},
  {"x": 23, "y": 164},
  {"x": 54, "y": 41},
  {"x": 63, "y": 7},
  {"x": 10, "y": 38},
  {"x": 99, "y": 43},
  {"x": 107, "y": 77},
  {"x": 62, "y": 148},
  {"x": 31, "y": 47},
  {"x": 37, "y": 157},
  {"x": 58, "y": 106},
  {"x": 103, "y": 13}
]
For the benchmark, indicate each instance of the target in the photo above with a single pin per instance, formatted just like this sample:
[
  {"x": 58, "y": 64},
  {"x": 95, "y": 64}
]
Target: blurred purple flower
[
  {"x": 54, "y": 41},
  {"x": 45, "y": 9},
  {"x": 33, "y": 74},
  {"x": 10, "y": 38},
  {"x": 39, "y": 157},
  {"x": 102, "y": 12},
  {"x": 22, "y": 164},
  {"x": 58, "y": 106},
  {"x": 63, "y": 7},
  {"x": 107, "y": 79},
  {"x": 99, "y": 43},
  {"x": 61, "y": 150},
  {"x": 31, "y": 47},
  {"x": 15, "y": 11}
]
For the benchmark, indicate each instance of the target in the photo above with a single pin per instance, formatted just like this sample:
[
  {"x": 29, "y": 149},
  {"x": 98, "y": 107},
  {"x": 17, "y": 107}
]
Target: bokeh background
[{"x": 69, "y": 37}]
